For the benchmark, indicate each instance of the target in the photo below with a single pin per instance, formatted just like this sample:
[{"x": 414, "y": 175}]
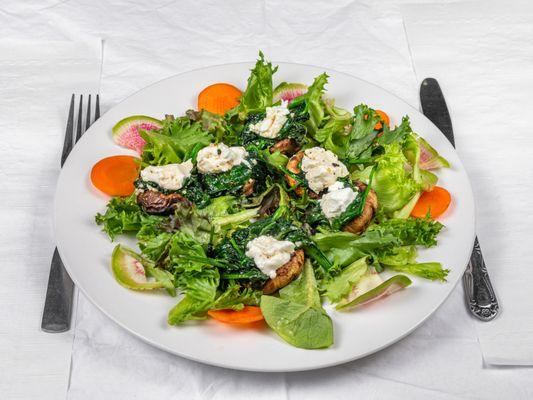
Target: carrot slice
[
  {"x": 115, "y": 175},
  {"x": 219, "y": 98},
  {"x": 435, "y": 202},
  {"x": 247, "y": 315},
  {"x": 384, "y": 120}
]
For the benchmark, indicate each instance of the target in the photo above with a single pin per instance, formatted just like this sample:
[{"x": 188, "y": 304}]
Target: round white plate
[{"x": 86, "y": 251}]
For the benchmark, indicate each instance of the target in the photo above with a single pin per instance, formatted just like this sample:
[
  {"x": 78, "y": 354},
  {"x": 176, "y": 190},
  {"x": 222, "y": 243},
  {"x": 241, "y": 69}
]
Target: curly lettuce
[
  {"x": 403, "y": 259},
  {"x": 178, "y": 140},
  {"x": 124, "y": 215}
]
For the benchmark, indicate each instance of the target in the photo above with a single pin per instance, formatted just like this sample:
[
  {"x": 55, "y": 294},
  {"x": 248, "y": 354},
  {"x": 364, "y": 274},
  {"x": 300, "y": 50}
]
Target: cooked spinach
[
  {"x": 294, "y": 128},
  {"x": 228, "y": 182}
]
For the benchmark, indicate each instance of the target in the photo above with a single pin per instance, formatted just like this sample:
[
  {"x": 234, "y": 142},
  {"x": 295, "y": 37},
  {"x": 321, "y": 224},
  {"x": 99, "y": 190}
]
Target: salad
[{"x": 269, "y": 203}]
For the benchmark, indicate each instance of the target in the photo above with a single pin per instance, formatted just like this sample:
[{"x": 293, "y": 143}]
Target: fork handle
[
  {"x": 480, "y": 295},
  {"x": 57, "y": 312}
]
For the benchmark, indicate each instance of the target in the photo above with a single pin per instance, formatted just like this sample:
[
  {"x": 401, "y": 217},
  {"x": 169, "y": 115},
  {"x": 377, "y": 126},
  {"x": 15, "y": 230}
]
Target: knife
[{"x": 480, "y": 297}]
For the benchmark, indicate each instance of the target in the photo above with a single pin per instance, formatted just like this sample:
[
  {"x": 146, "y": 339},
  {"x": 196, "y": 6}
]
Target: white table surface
[{"x": 441, "y": 360}]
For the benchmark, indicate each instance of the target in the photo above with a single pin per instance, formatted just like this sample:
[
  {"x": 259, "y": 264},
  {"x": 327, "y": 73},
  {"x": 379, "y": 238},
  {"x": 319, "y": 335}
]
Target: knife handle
[
  {"x": 480, "y": 296},
  {"x": 434, "y": 107}
]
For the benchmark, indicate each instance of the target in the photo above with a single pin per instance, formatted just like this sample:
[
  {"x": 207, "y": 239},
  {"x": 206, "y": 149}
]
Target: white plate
[{"x": 86, "y": 251}]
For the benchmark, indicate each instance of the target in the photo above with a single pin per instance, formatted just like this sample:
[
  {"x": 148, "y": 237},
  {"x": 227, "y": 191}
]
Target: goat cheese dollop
[
  {"x": 322, "y": 168},
  {"x": 274, "y": 120},
  {"x": 337, "y": 200},
  {"x": 170, "y": 176},
  {"x": 217, "y": 158},
  {"x": 269, "y": 253}
]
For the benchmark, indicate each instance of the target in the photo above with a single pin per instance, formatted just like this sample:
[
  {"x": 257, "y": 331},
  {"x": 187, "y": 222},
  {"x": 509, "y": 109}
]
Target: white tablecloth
[{"x": 144, "y": 42}]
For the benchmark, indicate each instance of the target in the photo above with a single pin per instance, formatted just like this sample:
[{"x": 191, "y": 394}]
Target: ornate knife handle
[{"x": 479, "y": 293}]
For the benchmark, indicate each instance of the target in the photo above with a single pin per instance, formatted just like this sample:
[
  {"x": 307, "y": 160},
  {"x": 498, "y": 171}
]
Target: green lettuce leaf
[
  {"x": 155, "y": 248},
  {"x": 200, "y": 289},
  {"x": 258, "y": 93},
  {"x": 314, "y": 105},
  {"x": 333, "y": 134},
  {"x": 340, "y": 286},
  {"x": 362, "y": 134},
  {"x": 428, "y": 270},
  {"x": 411, "y": 231},
  {"x": 235, "y": 297},
  {"x": 297, "y": 315},
  {"x": 394, "y": 185},
  {"x": 343, "y": 248},
  {"x": 403, "y": 259},
  {"x": 213, "y": 124},
  {"x": 396, "y": 135},
  {"x": 123, "y": 215},
  {"x": 175, "y": 142}
]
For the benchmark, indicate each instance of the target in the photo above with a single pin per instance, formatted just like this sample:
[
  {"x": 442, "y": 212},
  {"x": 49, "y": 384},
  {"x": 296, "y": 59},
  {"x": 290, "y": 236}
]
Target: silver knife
[{"x": 480, "y": 297}]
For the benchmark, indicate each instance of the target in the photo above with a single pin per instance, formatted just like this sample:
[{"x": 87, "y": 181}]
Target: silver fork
[{"x": 57, "y": 311}]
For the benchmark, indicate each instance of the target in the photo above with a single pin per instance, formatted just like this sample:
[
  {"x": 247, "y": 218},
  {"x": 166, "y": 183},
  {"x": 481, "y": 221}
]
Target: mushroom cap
[
  {"x": 286, "y": 273},
  {"x": 360, "y": 223},
  {"x": 154, "y": 202}
]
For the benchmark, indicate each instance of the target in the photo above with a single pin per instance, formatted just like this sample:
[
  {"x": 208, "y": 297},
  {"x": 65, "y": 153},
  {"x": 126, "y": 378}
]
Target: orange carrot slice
[
  {"x": 115, "y": 175},
  {"x": 247, "y": 315},
  {"x": 219, "y": 98},
  {"x": 434, "y": 202},
  {"x": 384, "y": 120}
]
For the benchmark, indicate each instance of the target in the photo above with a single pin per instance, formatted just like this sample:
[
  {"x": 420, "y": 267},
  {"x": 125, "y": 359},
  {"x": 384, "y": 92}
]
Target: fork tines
[{"x": 80, "y": 130}]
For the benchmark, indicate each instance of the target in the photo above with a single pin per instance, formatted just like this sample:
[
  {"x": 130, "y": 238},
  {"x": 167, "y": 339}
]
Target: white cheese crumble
[
  {"x": 269, "y": 253},
  {"x": 322, "y": 168},
  {"x": 274, "y": 120},
  {"x": 170, "y": 176},
  {"x": 217, "y": 158},
  {"x": 336, "y": 200}
]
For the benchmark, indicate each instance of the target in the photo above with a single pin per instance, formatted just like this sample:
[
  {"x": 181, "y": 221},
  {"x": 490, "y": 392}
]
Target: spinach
[
  {"x": 194, "y": 191},
  {"x": 297, "y": 315},
  {"x": 228, "y": 182},
  {"x": 294, "y": 128}
]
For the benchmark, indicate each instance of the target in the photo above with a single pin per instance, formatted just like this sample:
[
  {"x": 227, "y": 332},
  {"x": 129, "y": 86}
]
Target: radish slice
[
  {"x": 366, "y": 290},
  {"x": 429, "y": 157},
  {"x": 288, "y": 91},
  {"x": 126, "y": 131},
  {"x": 129, "y": 270}
]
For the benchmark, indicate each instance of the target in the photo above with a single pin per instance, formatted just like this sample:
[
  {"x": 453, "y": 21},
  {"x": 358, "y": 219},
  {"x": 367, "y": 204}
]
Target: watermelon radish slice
[
  {"x": 126, "y": 131},
  {"x": 370, "y": 289},
  {"x": 288, "y": 91},
  {"x": 129, "y": 270},
  {"x": 429, "y": 157}
]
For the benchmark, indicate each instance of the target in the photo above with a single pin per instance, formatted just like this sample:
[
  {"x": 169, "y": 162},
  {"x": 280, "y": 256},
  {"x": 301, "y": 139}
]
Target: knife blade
[{"x": 480, "y": 296}]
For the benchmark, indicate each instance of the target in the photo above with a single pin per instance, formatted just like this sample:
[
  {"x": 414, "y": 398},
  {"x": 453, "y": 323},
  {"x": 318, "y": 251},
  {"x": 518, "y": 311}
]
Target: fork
[{"x": 60, "y": 291}]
